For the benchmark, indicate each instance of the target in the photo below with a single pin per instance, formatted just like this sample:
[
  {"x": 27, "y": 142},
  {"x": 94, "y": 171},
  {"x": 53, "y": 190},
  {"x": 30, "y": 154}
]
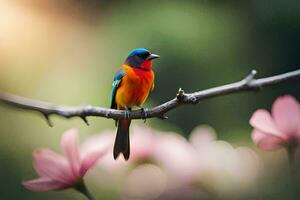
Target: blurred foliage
[{"x": 67, "y": 51}]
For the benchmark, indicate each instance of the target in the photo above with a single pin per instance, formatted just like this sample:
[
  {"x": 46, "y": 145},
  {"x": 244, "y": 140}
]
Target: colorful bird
[{"x": 131, "y": 87}]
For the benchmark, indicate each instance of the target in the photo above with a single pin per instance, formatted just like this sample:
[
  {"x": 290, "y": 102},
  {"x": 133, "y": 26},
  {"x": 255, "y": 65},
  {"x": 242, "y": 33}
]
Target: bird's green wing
[{"x": 117, "y": 80}]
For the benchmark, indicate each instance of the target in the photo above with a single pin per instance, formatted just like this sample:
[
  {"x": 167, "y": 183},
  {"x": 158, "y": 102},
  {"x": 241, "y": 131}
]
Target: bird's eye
[{"x": 144, "y": 55}]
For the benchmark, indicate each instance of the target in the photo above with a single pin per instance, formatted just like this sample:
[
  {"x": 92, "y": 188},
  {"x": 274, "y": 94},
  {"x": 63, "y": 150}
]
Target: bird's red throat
[{"x": 147, "y": 65}]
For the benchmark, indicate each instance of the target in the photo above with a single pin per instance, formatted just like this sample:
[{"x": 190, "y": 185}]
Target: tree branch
[{"x": 182, "y": 98}]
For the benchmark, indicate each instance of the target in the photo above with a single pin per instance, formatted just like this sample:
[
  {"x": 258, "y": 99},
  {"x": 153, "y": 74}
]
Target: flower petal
[
  {"x": 52, "y": 165},
  {"x": 202, "y": 136},
  {"x": 89, "y": 160},
  {"x": 177, "y": 156},
  {"x": 263, "y": 121},
  {"x": 142, "y": 143},
  {"x": 286, "y": 113},
  {"x": 104, "y": 141},
  {"x": 43, "y": 184},
  {"x": 267, "y": 141},
  {"x": 69, "y": 144}
]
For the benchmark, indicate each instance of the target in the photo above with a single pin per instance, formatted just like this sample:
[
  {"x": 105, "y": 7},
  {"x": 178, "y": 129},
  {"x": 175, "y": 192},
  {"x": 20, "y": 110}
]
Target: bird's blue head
[{"x": 141, "y": 58}]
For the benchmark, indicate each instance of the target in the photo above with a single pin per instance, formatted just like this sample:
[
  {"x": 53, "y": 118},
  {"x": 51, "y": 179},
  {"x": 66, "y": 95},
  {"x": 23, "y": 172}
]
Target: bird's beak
[{"x": 152, "y": 56}]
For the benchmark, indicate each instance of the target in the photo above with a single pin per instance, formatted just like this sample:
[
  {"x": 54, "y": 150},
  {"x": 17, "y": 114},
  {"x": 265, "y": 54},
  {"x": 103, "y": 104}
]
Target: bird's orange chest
[{"x": 134, "y": 87}]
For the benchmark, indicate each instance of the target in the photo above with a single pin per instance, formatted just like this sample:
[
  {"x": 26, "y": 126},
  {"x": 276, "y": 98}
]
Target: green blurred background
[{"x": 67, "y": 51}]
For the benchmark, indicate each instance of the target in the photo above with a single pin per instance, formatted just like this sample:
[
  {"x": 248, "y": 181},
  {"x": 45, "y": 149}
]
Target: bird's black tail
[{"x": 122, "y": 144}]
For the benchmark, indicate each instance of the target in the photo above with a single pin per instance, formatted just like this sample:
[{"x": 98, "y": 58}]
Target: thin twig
[{"x": 182, "y": 98}]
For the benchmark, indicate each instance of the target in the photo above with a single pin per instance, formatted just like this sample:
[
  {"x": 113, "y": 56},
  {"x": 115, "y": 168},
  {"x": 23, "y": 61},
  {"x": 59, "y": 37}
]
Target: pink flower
[
  {"x": 59, "y": 172},
  {"x": 280, "y": 128},
  {"x": 222, "y": 168},
  {"x": 142, "y": 145},
  {"x": 175, "y": 155}
]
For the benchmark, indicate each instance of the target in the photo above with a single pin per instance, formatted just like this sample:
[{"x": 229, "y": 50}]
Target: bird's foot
[
  {"x": 145, "y": 114},
  {"x": 127, "y": 113}
]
